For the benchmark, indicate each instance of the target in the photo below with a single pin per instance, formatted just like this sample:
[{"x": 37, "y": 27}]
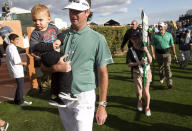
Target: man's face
[
  {"x": 134, "y": 25},
  {"x": 78, "y": 18},
  {"x": 41, "y": 21},
  {"x": 161, "y": 29}
]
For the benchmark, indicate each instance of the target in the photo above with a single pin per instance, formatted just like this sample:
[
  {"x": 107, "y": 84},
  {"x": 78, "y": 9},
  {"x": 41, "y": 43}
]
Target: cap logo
[
  {"x": 85, "y": 4},
  {"x": 76, "y": 1}
]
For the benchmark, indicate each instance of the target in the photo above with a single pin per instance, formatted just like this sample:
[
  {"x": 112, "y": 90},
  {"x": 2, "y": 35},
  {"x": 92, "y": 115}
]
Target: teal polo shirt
[
  {"x": 162, "y": 41},
  {"x": 87, "y": 50}
]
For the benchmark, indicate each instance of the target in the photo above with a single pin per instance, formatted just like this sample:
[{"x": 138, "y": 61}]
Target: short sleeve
[
  {"x": 34, "y": 39},
  {"x": 152, "y": 40},
  {"x": 171, "y": 40},
  {"x": 103, "y": 56},
  {"x": 14, "y": 55}
]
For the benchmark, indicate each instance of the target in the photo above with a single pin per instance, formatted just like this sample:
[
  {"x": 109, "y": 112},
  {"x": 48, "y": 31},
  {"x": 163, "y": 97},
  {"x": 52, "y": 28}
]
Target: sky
[{"x": 122, "y": 11}]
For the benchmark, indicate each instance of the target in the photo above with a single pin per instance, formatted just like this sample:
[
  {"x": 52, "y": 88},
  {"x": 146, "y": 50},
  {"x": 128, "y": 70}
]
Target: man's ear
[
  {"x": 87, "y": 12},
  {"x": 49, "y": 19}
]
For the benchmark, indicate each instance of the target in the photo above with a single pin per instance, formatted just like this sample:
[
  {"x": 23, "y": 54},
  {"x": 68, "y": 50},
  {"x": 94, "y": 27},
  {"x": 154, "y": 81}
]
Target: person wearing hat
[
  {"x": 5, "y": 31},
  {"x": 3, "y": 125},
  {"x": 161, "y": 45},
  {"x": 184, "y": 48},
  {"x": 89, "y": 54},
  {"x": 5, "y": 10}
]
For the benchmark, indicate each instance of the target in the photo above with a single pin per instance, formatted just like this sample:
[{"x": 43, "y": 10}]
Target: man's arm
[
  {"x": 152, "y": 52},
  {"x": 22, "y": 63},
  {"x": 61, "y": 66},
  {"x": 125, "y": 39},
  {"x": 101, "y": 113},
  {"x": 174, "y": 52}
]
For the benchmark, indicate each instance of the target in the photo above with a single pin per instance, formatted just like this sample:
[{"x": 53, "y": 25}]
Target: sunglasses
[{"x": 76, "y": 1}]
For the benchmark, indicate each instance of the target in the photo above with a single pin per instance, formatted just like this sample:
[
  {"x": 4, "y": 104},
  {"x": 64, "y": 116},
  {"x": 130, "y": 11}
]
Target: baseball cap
[
  {"x": 161, "y": 24},
  {"x": 80, "y": 5},
  {"x": 187, "y": 31}
]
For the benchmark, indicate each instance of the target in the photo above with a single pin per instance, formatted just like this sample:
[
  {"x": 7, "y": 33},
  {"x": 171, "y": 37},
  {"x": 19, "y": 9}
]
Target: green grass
[{"x": 171, "y": 109}]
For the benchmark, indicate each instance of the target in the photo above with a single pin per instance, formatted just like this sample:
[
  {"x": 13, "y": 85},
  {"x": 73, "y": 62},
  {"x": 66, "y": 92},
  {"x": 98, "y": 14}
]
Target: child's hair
[
  {"x": 37, "y": 8},
  {"x": 13, "y": 36}
]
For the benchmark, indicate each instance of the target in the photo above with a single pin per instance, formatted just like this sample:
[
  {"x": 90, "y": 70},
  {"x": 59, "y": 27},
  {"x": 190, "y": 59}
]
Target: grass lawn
[{"x": 171, "y": 109}]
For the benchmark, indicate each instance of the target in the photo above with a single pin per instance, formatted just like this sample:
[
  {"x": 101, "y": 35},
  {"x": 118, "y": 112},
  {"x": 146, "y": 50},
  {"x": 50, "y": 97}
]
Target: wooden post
[{"x": 31, "y": 62}]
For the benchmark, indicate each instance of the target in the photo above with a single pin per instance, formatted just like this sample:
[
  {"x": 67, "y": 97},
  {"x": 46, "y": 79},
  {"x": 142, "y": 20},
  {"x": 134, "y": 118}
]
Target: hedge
[{"x": 113, "y": 35}]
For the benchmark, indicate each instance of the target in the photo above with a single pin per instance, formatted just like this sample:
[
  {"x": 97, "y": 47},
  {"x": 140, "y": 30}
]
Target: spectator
[
  {"x": 15, "y": 67},
  {"x": 185, "y": 49},
  {"x": 162, "y": 42},
  {"x": 130, "y": 33},
  {"x": 4, "y": 33},
  {"x": 5, "y": 10},
  {"x": 3, "y": 125}
]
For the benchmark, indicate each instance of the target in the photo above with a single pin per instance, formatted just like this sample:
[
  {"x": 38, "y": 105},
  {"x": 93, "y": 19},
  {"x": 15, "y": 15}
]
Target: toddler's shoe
[
  {"x": 67, "y": 96},
  {"x": 57, "y": 102}
]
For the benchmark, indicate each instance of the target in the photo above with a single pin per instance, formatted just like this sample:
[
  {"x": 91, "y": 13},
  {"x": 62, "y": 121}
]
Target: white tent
[{"x": 17, "y": 10}]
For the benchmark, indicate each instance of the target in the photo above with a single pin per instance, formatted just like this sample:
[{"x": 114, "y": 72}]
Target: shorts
[
  {"x": 138, "y": 79},
  {"x": 38, "y": 72}
]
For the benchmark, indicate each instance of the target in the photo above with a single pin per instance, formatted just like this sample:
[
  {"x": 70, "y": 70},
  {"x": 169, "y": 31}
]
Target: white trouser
[
  {"x": 78, "y": 115},
  {"x": 185, "y": 55}
]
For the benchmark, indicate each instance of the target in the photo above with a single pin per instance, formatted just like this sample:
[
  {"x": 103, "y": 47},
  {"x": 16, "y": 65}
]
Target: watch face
[{"x": 104, "y": 103}]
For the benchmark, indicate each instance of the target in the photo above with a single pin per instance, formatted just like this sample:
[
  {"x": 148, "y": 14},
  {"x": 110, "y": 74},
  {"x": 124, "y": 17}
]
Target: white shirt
[{"x": 12, "y": 59}]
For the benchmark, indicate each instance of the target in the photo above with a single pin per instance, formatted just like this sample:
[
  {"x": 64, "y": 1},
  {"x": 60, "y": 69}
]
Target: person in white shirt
[{"x": 15, "y": 67}]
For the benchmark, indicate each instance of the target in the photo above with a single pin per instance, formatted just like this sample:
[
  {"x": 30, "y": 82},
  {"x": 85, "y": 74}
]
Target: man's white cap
[
  {"x": 1, "y": 22},
  {"x": 80, "y": 5},
  {"x": 161, "y": 24}
]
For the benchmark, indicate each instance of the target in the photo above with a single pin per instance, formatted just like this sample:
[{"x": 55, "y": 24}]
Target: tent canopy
[{"x": 17, "y": 10}]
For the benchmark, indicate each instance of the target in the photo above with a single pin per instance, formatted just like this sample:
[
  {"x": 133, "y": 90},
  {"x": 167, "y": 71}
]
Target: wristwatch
[{"x": 103, "y": 103}]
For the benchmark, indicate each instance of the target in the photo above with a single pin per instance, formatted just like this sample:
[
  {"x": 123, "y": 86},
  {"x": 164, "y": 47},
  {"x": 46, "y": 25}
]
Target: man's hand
[
  {"x": 145, "y": 49},
  {"x": 153, "y": 55},
  {"x": 101, "y": 115},
  {"x": 62, "y": 66},
  {"x": 35, "y": 56},
  {"x": 56, "y": 44},
  {"x": 143, "y": 61},
  {"x": 175, "y": 57},
  {"x": 24, "y": 63}
]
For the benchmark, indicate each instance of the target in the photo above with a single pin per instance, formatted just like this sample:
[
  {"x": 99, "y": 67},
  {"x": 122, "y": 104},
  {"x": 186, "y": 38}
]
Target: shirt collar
[{"x": 86, "y": 28}]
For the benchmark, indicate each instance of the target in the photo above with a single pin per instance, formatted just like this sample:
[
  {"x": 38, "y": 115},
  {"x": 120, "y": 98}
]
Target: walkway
[{"x": 8, "y": 84}]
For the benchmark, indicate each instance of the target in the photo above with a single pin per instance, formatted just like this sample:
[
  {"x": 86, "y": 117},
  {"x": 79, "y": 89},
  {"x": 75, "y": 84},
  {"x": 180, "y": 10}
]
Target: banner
[{"x": 145, "y": 27}]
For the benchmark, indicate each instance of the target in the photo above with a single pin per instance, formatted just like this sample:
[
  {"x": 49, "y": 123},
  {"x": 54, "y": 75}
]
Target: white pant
[
  {"x": 78, "y": 115},
  {"x": 185, "y": 56}
]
